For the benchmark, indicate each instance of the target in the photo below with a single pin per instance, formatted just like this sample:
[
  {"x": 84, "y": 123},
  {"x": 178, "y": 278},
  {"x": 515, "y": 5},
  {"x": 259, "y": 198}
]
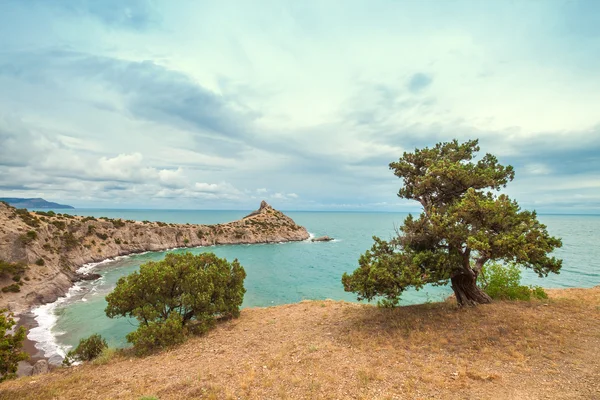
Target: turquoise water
[{"x": 291, "y": 272}]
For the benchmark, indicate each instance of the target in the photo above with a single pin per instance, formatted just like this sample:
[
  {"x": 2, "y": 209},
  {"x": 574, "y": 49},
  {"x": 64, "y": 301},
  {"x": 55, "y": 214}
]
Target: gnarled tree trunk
[{"x": 467, "y": 292}]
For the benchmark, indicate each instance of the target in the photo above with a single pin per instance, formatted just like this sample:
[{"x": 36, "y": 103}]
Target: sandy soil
[{"x": 335, "y": 350}]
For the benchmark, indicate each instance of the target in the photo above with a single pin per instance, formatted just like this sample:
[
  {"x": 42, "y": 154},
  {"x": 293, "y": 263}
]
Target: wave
[{"x": 46, "y": 340}]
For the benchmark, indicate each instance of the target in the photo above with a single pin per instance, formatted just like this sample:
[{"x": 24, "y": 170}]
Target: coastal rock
[
  {"x": 52, "y": 247},
  {"x": 40, "y": 367},
  {"x": 322, "y": 239},
  {"x": 86, "y": 277},
  {"x": 24, "y": 369}
]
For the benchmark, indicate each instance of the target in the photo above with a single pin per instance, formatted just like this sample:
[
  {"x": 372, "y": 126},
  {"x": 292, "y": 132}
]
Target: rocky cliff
[{"x": 40, "y": 251}]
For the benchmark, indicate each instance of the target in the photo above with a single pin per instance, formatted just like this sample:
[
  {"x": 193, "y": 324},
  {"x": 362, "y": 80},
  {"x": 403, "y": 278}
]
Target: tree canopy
[
  {"x": 11, "y": 346},
  {"x": 183, "y": 292},
  {"x": 464, "y": 224}
]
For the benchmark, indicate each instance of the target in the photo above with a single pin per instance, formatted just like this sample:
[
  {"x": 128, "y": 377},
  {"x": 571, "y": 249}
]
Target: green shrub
[
  {"x": 181, "y": 294},
  {"x": 7, "y": 268},
  {"x": 118, "y": 223},
  {"x": 70, "y": 241},
  {"x": 60, "y": 225},
  {"x": 186, "y": 241},
  {"x": 40, "y": 262},
  {"x": 102, "y": 236},
  {"x": 28, "y": 218},
  {"x": 87, "y": 349},
  {"x": 158, "y": 335},
  {"x": 28, "y": 237},
  {"x": 14, "y": 288},
  {"x": 10, "y": 346},
  {"x": 504, "y": 282},
  {"x": 107, "y": 354},
  {"x": 118, "y": 241}
]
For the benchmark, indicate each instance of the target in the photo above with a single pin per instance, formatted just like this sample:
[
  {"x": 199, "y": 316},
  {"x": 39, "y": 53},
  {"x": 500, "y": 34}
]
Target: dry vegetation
[{"x": 331, "y": 350}]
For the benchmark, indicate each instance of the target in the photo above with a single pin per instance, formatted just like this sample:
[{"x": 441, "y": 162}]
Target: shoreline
[{"x": 28, "y": 319}]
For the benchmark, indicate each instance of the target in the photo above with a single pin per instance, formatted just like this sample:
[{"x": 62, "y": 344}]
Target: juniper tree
[
  {"x": 464, "y": 224},
  {"x": 183, "y": 292}
]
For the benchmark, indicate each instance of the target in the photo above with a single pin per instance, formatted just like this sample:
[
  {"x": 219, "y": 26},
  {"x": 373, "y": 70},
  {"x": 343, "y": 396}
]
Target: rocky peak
[{"x": 264, "y": 205}]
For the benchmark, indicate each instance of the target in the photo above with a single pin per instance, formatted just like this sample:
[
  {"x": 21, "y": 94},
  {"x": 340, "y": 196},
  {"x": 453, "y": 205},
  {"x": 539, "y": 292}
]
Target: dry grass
[{"x": 333, "y": 350}]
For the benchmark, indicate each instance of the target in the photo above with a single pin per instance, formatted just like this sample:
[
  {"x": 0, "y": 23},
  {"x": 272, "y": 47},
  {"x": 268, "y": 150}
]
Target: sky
[{"x": 219, "y": 105}]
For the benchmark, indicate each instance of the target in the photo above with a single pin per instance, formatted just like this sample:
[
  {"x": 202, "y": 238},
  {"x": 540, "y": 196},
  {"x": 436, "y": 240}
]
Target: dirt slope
[{"x": 333, "y": 350}]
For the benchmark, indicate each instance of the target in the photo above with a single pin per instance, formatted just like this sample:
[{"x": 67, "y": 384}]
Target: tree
[
  {"x": 11, "y": 345},
  {"x": 86, "y": 350},
  {"x": 179, "y": 294},
  {"x": 463, "y": 225}
]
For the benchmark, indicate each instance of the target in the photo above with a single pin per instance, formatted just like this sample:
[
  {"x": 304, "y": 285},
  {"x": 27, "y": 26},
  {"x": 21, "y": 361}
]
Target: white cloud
[{"x": 108, "y": 103}]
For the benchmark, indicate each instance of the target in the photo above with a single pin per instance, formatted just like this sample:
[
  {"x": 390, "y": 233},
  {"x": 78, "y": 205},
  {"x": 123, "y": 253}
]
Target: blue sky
[{"x": 198, "y": 104}]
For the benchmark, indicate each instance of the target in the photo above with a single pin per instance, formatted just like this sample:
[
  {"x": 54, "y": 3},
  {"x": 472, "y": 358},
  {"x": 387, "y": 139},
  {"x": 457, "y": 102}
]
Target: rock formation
[
  {"x": 322, "y": 239},
  {"x": 50, "y": 247}
]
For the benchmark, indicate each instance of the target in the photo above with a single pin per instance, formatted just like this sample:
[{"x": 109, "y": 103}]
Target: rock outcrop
[
  {"x": 322, "y": 239},
  {"x": 51, "y": 247},
  {"x": 40, "y": 367}
]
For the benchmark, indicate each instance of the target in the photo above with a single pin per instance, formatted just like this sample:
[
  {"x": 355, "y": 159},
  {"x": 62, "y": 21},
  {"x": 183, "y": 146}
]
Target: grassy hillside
[{"x": 330, "y": 350}]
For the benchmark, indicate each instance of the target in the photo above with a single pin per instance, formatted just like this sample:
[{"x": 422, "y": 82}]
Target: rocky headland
[{"x": 40, "y": 252}]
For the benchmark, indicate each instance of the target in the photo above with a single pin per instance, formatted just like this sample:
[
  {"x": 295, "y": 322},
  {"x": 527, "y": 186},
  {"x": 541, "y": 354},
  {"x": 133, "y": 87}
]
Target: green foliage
[
  {"x": 27, "y": 217},
  {"x": 14, "y": 288},
  {"x": 117, "y": 241},
  {"x": 180, "y": 294},
  {"x": 87, "y": 350},
  {"x": 7, "y": 268},
  {"x": 107, "y": 354},
  {"x": 463, "y": 226},
  {"x": 60, "y": 225},
  {"x": 186, "y": 241},
  {"x": 10, "y": 346},
  {"x": 28, "y": 237},
  {"x": 69, "y": 241},
  {"x": 118, "y": 223},
  {"x": 102, "y": 236},
  {"x": 504, "y": 282},
  {"x": 158, "y": 335},
  {"x": 46, "y": 213},
  {"x": 40, "y": 262}
]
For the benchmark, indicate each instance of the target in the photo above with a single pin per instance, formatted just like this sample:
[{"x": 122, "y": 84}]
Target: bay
[{"x": 289, "y": 272}]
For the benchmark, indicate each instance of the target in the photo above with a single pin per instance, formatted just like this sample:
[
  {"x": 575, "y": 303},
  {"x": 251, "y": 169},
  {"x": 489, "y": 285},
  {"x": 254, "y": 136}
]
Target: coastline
[
  {"x": 57, "y": 251},
  {"x": 29, "y": 321}
]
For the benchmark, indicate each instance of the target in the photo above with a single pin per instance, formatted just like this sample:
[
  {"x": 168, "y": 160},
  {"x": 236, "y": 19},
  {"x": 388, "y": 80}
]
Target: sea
[{"x": 284, "y": 273}]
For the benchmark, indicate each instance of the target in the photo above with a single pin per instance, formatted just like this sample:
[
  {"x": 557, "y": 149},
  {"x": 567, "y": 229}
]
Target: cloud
[
  {"x": 136, "y": 103},
  {"x": 418, "y": 82}
]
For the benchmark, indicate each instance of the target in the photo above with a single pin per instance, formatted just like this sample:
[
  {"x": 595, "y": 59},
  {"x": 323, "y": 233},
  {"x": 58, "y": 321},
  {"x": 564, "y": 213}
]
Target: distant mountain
[{"x": 32, "y": 203}]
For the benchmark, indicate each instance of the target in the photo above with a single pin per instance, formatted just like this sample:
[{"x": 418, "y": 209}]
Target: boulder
[
  {"x": 86, "y": 277},
  {"x": 24, "y": 368},
  {"x": 40, "y": 367},
  {"x": 322, "y": 239}
]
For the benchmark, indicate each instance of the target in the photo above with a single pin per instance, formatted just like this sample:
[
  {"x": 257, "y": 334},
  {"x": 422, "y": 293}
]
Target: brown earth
[
  {"x": 63, "y": 243},
  {"x": 335, "y": 350}
]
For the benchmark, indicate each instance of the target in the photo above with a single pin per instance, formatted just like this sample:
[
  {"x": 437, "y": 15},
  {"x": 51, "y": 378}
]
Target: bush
[
  {"x": 14, "y": 288},
  {"x": 504, "y": 282},
  {"x": 28, "y": 237},
  {"x": 70, "y": 241},
  {"x": 87, "y": 350},
  {"x": 11, "y": 268},
  {"x": 10, "y": 346},
  {"x": 118, "y": 223},
  {"x": 158, "y": 335},
  {"x": 40, "y": 262},
  {"x": 107, "y": 354},
  {"x": 102, "y": 236},
  {"x": 179, "y": 295}
]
